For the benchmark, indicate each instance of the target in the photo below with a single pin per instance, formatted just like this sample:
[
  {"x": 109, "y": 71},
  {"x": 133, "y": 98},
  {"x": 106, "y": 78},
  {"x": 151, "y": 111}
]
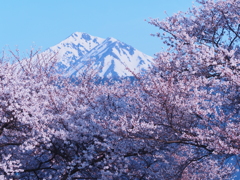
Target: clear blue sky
[{"x": 44, "y": 23}]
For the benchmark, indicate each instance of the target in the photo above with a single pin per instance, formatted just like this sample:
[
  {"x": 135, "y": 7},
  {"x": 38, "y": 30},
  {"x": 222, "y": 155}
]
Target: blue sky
[{"x": 44, "y": 23}]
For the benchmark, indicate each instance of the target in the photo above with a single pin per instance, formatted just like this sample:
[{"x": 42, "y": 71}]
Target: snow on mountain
[
  {"x": 109, "y": 57},
  {"x": 74, "y": 47}
]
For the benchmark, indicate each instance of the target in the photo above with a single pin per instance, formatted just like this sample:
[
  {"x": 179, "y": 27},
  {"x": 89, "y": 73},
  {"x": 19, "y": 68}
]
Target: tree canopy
[{"x": 179, "y": 120}]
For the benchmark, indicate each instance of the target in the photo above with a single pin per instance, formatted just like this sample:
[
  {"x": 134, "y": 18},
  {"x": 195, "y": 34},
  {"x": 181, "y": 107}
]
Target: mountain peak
[
  {"x": 82, "y": 35},
  {"x": 111, "y": 39},
  {"x": 109, "y": 56}
]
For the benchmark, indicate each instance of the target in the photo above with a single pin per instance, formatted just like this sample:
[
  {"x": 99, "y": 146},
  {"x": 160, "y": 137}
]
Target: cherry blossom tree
[
  {"x": 179, "y": 120},
  {"x": 189, "y": 102}
]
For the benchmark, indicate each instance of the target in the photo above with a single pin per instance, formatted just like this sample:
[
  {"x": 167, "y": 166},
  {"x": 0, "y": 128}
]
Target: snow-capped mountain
[{"x": 109, "y": 57}]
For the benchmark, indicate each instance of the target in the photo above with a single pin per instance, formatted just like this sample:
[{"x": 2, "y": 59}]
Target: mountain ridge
[{"x": 109, "y": 57}]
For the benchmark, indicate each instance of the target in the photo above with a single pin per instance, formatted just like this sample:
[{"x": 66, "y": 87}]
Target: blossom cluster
[{"x": 178, "y": 120}]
